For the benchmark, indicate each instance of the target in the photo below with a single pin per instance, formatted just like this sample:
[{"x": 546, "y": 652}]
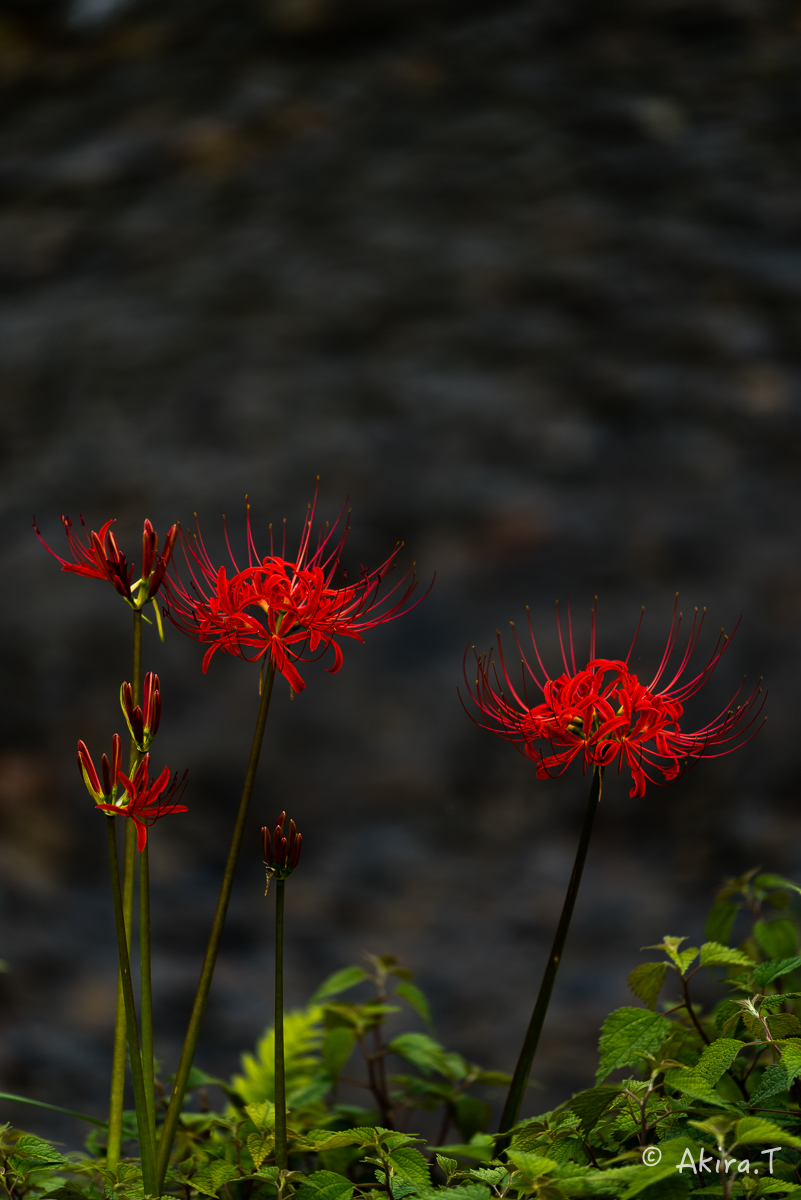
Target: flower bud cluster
[
  {"x": 143, "y": 721},
  {"x": 281, "y": 854}
]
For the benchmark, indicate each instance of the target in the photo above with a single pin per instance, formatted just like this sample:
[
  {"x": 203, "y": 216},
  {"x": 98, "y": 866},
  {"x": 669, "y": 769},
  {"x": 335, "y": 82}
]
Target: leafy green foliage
[{"x": 694, "y": 1089}]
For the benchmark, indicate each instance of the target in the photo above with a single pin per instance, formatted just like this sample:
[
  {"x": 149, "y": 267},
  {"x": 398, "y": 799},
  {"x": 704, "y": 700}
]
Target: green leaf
[
  {"x": 699, "y": 1081},
  {"x": 757, "y": 1131},
  {"x": 627, "y": 1034},
  {"x": 262, "y": 1114},
  {"x": 717, "y": 1058},
  {"x": 591, "y": 1105},
  {"x": 714, "y": 954},
  {"x": 783, "y": 1025},
  {"x": 492, "y": 1175},
  {"x": 775, "y": 968},
  {"x": 421, "y": 1051},
  {"x": 209, "y": 1179},
  {"x": 775, "y": 881},
  {"x": 448, "y": 1165},
  {"x": 259, "y": 1146},
  {"x": 413, "y": 996},
  {"x": 646, "y": 981},
  {"x": 337, "y": 1046},
  {"x": 775, "y": 1080},
  {"x": 411, "y": 1166},
  {"x": 340, "y": 981},
  {"x": 719, "y": 923},
  {"x": 325, "y": 1185},
  {"x": 29, "y": 1146},
  {"x": 778, "y": 939},
  {"x": 791, "y": 1058},
  {"x": 533, "y": 1165}
]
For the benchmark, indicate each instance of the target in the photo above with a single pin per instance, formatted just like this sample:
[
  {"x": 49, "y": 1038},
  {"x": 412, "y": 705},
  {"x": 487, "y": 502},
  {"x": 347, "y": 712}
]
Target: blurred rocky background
[{"x": 523, "y": 281}]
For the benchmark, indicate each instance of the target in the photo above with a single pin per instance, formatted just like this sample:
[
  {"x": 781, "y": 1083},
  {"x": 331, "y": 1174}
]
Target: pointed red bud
[{"x": 150, "y": 541}]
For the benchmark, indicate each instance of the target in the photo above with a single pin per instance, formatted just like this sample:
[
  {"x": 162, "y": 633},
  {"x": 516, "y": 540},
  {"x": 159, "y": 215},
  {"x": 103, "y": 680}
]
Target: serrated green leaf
[
  {"x": 413, "y": 996},
  {"x": 783, "y": 1025},
  {"x": 791, "y": 1058},
  {"x": 778, "y": 938},
  {"x": 532, "y": 1165},
  {"x": 719, "y": 923},
  {"x": 448, "y": 1165},
  {"x": 410, "y": 1165},
  {"x": 646, "y": 981},
  {"x": 714, "y": 954},
  {"x": 627, "y": 1034},
  {"x": 262, "y": 1115},
  {"x": 775, "y": 968},
  {"x": 210, "y": 1179},
  {"x": 670, "y": 945},
  {"x": 259, "y": 1146},
  {"x": 717, "y": 1058},
  {"x": 340, "y": 981},
  {"x": 491, "y": 1175},
  {"x": 325, "y": 1185},
  {"x": 28, "y": 1146},
  {"x": 591, "y": 1105},
  {"x": 758, "y": 1131},
  {"x": 493, "y": 1078},
  {"x": 693, "y": 1085},
  {"x": 774, "y": 1081}
]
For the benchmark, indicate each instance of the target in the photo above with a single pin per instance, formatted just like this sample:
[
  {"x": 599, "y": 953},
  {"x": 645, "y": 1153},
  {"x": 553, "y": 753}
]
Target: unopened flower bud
[
  {"x": 142, "y": 724},
  {"x": 281, "y": 854}
]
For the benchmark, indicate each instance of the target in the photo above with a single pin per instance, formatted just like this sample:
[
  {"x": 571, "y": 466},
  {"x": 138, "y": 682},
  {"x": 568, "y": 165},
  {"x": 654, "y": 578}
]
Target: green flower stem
[
  {"x": 116, "y": 1101},
  {"x": 280, "y": 1078},
  {"x": 172, "y": 1118},
  {"x": 146, "y": 989},
  {"x": 146, "y": 1147},
  {"x": 529, "y": 1048}
]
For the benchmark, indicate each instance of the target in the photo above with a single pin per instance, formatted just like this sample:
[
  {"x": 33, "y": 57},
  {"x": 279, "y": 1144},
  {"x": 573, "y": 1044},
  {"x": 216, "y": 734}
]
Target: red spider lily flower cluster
[
  {"x": 142, "y": 801},
  {"x": 101, "y": 558},
  {"x": 281, "y": 854},
  {"x": 603, "y": 712},
  {"x": 282, "y": 609},
  {"x": 143, "y": 725}
]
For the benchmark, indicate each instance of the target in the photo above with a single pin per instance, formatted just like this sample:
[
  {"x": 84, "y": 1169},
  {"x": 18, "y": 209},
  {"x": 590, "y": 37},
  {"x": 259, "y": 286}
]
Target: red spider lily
[
  {"x": 101, "y": 558},
  {"x": 144, "y": 802},
  {"x": 281, "y": 855},
  {"x": 603, "y": 712},
  {"x": 281, "y": 608},
  {"x": 143, "y": 725},
  {"x": 107, "y": 790}
]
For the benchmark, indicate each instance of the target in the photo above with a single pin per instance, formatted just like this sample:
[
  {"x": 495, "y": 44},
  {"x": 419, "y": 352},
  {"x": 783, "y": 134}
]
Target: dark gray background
[{"x": 523, "y": 280}]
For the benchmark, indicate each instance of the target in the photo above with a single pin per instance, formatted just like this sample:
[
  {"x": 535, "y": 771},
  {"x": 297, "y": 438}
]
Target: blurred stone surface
[{"x": 524, "y": 282}]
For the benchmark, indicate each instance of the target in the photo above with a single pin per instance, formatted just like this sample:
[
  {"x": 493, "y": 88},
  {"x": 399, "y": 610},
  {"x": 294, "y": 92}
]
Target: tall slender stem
[
  {"x": 146, "y": 1147},
  {"x": 116, "y": 1100},
  {"x": 146, "y": 989},
  {"x": 207, "y": 971},
  {"x": 280, "y": 1079},
  {"x": 529, "y": 1048}
]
